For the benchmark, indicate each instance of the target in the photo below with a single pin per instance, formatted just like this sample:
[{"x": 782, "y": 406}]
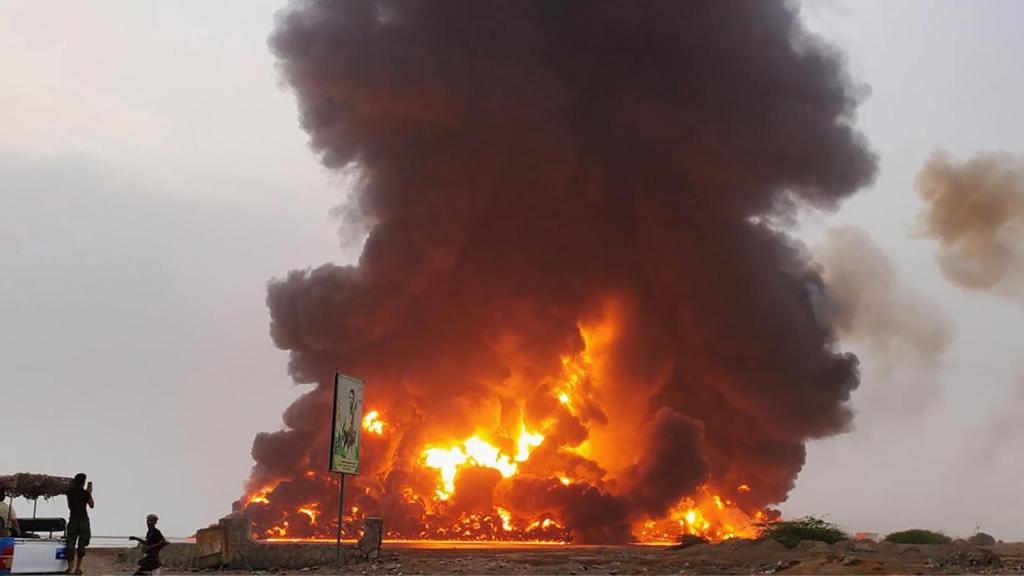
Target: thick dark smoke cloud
[
  {"x": 975, "y": 210},
  {"x": 672, "y": 466},
  {"x": 530, "y": 166}
]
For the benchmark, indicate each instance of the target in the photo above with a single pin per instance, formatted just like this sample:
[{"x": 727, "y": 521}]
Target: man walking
[
  {"x": 151, "y": 546},
  {"x": 78, "y": 531}
]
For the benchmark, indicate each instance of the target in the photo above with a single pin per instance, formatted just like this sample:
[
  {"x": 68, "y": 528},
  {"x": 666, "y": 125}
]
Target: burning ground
[{"x": 575, "y": 312}]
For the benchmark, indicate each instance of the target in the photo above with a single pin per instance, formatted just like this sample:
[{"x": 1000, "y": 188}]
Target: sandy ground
[{"x": 742, "y": 557}]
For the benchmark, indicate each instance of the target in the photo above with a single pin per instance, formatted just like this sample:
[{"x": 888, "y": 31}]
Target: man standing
[
  {"x": 349, "y": 434},
  {"x": 151, "y": 547},
  {"x": 78, "y": 531},
  {"x": 8, "y": 519}
]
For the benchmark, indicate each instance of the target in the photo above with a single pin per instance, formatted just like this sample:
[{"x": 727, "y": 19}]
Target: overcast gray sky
[{"x": 153, "y": 177}]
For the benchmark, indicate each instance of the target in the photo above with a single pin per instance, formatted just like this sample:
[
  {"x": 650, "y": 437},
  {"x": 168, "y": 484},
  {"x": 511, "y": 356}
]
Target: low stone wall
[
  {"x": 175, "y": 555},
  {"x": 256, "y": 555},
  {"x": 229, "y": 544},
  {"x": 291, "y": 556}
]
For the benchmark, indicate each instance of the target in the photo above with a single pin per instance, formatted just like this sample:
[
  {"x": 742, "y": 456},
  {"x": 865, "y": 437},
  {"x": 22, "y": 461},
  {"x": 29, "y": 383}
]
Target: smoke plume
[
  {"x": 975, "y": 210},
  {"x": 869, "y": 302},
  {"x": 558, "y": 183}
]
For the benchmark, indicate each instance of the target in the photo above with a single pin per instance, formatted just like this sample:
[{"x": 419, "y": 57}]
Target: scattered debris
[
  {"x": 972, "y": 558},
  {"x": 784, "y": 565}
]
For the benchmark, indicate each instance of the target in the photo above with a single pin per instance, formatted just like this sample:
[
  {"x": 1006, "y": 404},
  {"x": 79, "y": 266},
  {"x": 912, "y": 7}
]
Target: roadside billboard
[{"x": 347, "y": 423}]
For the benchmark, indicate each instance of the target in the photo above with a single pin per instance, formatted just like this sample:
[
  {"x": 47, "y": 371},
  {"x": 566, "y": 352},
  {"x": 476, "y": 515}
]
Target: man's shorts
[{"x": 78, "y": 534}]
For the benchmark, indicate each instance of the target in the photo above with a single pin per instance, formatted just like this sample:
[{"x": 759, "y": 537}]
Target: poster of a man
[{"x": 348, "y": 417}]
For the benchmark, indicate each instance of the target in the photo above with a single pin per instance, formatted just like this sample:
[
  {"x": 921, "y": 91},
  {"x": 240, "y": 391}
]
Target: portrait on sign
[{"x": 348, "y": 416}]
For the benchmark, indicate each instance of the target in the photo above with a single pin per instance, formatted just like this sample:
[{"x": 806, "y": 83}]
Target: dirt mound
[{"x": 982, "y": 539}]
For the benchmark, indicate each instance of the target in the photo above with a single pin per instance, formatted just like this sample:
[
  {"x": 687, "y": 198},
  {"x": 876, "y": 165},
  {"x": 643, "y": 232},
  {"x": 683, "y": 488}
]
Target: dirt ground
[{"x": 733, "y": 557}]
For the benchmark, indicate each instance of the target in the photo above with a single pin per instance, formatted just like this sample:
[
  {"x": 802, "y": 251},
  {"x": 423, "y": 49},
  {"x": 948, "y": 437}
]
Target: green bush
[
  {"x": 918, "y": 536},
  {"x": 789, "y": 533}
]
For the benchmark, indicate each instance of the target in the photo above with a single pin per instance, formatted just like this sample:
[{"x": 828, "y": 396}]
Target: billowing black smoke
[{"x": 527, "y": 167}]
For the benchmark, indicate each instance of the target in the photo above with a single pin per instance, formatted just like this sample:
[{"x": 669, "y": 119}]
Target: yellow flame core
[
  {"x": 311, "y": 511},
  {"x": 544, "y": 524},
  {"x": 506, "y": 519},
  {"x": 527, "y": 441},
  {"x": 447, "y": 461},
  {"x": 483, "y": 454},
  {"x": 476, "y": 451},
  {"x": 260, "y": 496},
  {"x": 372, "y": 422}
]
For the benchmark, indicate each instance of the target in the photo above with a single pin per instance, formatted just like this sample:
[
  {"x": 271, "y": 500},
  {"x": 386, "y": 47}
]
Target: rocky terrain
[{"x": 730, "y": 557}]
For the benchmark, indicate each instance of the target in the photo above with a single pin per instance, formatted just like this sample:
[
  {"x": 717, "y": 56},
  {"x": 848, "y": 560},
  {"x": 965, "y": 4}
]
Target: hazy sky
[{"x": 153, "y": 177}]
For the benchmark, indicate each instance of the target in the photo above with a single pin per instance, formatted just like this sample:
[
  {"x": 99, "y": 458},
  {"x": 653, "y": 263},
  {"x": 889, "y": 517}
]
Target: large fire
[
  {"x": 480, "y": 464},
  {"x": 578, "y": 308}
]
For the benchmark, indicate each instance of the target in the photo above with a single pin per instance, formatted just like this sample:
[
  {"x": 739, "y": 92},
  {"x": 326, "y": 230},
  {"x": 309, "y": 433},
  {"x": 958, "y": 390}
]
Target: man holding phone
[{"x": 78, "y": 530}]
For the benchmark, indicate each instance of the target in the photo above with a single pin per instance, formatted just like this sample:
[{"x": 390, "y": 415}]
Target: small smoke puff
[
  {"x": 867, "y": 301},
  {"x": 975, "y": 211}
]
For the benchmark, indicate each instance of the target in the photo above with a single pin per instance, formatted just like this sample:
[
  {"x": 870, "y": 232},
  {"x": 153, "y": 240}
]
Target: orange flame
[
  {"x": 260, "y": 496},
  {"x": 708, "y": 513},
  {"x": 476, "y": 451},
  {"x": 311, "y": 511}
]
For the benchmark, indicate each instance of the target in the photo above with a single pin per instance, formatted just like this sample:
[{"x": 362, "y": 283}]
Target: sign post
[
  {"x": 341, "y": 510},
  {"x": 346, "y": 425}
]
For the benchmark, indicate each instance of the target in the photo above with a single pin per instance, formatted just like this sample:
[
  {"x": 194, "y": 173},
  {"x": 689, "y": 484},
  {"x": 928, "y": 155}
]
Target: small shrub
[
  {"x": 789, "y": 533},
  {"x": 981, "y": 539},
  {"x": 918, "y": 536}
]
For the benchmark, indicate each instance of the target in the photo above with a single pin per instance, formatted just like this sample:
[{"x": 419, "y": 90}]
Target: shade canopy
[{"x": 32, "y": 486}]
